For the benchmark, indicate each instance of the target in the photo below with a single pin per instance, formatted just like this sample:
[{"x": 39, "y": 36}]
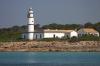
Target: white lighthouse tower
[{"x": 30, "y": 25}]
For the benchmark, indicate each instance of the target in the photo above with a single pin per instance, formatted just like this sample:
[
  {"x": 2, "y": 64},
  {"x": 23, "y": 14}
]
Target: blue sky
[{"x": 13, "y": 12}]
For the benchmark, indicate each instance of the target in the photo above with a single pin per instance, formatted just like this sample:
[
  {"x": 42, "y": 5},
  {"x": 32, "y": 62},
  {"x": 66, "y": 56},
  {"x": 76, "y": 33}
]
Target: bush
[
  {"x": 89, "y": 38},
  {"x": 49, "y": 39},
  {"x": 65, "y": 38},
  {"x": 73, "y": 39}
]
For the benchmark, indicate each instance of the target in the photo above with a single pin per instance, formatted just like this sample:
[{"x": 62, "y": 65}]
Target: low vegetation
[{"x": 14, "y": 33}]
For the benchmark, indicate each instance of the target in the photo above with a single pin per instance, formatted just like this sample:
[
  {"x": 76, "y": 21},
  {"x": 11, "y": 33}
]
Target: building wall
[
  {"x": 38, "y": 35},
  {"x": 73, "y": 34},
  {"x": 52, "y": 35},
  {"x": 98, "y": 34},
  {"x": 24, "y": 36},
  {"x": 82, "y": 32}
]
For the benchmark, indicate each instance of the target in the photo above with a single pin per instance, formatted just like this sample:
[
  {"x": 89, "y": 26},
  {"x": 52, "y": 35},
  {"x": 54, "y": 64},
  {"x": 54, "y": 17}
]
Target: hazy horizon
[{"x": 14, "y": 12}]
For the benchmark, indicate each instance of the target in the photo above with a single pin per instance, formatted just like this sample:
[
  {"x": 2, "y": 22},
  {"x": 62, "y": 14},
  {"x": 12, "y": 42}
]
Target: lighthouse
[
  {"x": 31, "y": 33},
  {"x": 30, "y": 25}
]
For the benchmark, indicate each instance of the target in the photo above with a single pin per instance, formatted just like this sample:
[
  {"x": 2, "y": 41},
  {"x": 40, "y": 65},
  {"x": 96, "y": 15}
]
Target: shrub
[
  {"x": 73, "y": 39},
  {"x": 89, "y": 38},
  {"x": 65, "y": 38}
]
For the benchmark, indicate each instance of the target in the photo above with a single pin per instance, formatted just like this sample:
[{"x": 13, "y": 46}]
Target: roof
[
  {"x": 90, "y": 30},
  {"x": 51, "y": 31},
  {"x": 57, "y": 31}
]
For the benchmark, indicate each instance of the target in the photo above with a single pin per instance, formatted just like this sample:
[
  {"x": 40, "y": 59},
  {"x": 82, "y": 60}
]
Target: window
[
  {"x": 36, "y": 36},
  {"x": 24, "y": 37},
  {"x": 40, "y": 36},
  {"x": 54, "y": 36}
]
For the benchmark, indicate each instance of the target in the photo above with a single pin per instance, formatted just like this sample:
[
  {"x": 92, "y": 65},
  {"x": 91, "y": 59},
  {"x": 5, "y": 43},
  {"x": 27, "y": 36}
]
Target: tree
[
  {"x": 88, "y": 25},
  {"x": 51, "y": 26},
  {"x": 97, "y": 26},
  {"x": 37, "y": 26}
]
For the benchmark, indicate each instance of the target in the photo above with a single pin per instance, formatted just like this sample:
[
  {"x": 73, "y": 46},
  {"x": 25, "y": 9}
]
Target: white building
[
  {"x": 31, "y": 33},
  {"x": 87, "y": 31},
  {"x": 59, "y": 33}
]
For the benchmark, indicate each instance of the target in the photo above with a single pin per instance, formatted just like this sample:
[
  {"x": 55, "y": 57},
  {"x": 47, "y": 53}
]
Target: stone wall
[{"x": 50, "y": 46}]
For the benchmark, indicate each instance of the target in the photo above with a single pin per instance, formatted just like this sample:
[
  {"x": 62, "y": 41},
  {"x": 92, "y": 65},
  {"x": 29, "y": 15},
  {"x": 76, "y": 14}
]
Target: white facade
[
  {"x": 38, "y": 35},
  {"x": 53, "y": 35},
  {"x": 73, "y": 34},
  {"x": 60, "y": 35},
  {"x": 30, "y": 24}
]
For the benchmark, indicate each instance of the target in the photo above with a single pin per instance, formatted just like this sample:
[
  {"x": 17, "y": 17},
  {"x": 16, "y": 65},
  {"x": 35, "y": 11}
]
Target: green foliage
[
  {"x": 10, "y": 34},
  {"x": 49, "y": 39},
  {"x": 88, "y": 25},
  {"x": 52, "y": 26},
  {"x": 73, "y": 39},
  {"x": 65, "y": 38},
  {"x": 97, "y": 26},
  {"x": 60, "y": 26},
  {"x": 89, "y": 38}
]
